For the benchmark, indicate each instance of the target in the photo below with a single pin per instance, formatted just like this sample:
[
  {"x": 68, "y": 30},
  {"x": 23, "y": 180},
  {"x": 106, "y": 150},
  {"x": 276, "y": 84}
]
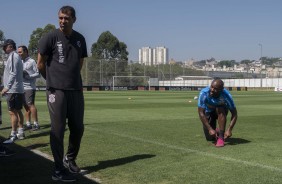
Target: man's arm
[
  {"x": 41, "y": 60},
  {"x": 234, "y": 116},
  {"x": 81, "y": 62},
  {"x": 35, "y": 70},
  {"x": 205, "y": 121},
  {"x": 12, "y": 65}
]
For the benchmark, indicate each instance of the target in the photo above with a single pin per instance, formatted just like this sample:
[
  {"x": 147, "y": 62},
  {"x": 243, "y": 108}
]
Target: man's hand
[
  {"x": 4, "y": 91},
  {"x": 212, "y": 132},
  {"x": 227, "y": 134},
  {"x": 26, "y": 75}
]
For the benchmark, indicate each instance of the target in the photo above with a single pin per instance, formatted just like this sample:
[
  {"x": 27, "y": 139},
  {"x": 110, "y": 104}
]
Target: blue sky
[{"x": 198, "y": 29}]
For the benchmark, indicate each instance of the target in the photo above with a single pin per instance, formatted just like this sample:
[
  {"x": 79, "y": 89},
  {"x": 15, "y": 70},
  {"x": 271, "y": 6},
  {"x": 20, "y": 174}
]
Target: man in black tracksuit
[{"x": 60, "y": 58}]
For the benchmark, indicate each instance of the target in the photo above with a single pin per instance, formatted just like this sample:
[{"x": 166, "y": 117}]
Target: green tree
[
  {"x": 109, "y": 47},
  {"x": 35, "y": 37},
  {"x": 270, "y": 61},
  {"x": 2, "y": 38},
  {"x": 246, "y": 61},
  {"x": 227, "y": 63},
  {"x": 112, "y": 54}
]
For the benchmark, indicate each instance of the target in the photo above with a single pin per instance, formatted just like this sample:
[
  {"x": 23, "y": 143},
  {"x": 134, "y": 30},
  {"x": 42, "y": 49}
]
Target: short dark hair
[
  {"x": 9, "y": 42},
  {"x": 24, "y": 48},
  {"x": 68, "y": 9}
]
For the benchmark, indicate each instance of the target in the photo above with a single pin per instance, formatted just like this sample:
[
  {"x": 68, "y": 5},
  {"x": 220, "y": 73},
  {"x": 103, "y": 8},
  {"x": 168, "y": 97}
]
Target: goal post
[{"x": 131, "y": 82}]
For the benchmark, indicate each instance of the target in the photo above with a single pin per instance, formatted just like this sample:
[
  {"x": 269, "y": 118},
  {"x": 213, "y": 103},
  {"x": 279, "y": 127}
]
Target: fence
[{"x": 250, "y": 83}]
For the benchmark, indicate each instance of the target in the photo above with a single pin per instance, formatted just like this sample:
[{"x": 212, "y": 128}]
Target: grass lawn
[{"x": 134, "y": 137}]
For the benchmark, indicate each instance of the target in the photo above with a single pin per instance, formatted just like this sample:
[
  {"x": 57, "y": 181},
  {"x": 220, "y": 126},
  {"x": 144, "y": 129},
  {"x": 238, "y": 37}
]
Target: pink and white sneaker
[{"x": 220, "y": 142}]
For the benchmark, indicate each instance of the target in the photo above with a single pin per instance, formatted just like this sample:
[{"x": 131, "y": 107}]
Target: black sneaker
[
  {"x": 35, "y": 127},
  {"x": 5, "y": 152},
  {"x": 63, "y": 175},
  {"x": 27, "y": 127},
  {"x": 71, "y": 165}
]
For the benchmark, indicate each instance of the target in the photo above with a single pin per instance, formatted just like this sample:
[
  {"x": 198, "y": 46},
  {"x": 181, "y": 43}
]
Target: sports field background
[{"x": 156, "y": 137}]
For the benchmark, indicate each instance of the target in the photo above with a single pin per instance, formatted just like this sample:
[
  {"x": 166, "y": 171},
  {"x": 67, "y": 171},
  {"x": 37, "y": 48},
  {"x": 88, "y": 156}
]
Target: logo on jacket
[
  {"x": 78, "y": 43},
  {"x": 52, "y": 98}
]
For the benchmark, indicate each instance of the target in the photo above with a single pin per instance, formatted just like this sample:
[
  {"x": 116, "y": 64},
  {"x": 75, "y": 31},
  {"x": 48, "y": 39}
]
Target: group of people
[
  {"x": 61, "y": 53},
  {"x": 19, "y": 89},
  {"x": 60, "y": 58}
]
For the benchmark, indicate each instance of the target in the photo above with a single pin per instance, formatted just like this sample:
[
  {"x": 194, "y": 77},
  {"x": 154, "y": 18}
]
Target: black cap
[{"x": 9, "y": 42}]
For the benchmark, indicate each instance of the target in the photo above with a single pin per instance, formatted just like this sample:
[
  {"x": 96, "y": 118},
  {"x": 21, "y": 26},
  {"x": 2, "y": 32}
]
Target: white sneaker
[
  {"x": 20, "y": 136},
  {"x": 11, "y": 139}
]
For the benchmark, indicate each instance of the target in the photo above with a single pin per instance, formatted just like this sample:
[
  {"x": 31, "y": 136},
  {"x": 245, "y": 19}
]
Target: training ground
[{"x": 134, "y": 137}]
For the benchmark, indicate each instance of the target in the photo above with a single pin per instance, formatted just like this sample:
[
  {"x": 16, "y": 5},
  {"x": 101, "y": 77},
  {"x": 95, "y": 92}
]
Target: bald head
[
  {"x": 216, "y": 87},
  {"x": 218, "y": 82}
]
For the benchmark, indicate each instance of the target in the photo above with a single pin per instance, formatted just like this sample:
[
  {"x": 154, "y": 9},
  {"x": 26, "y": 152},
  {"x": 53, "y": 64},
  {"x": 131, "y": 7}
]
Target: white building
[
  {"x": 146, "y": 56},
  {"x": 156, "y": 56},
  {"x": 160, "y": 56}
]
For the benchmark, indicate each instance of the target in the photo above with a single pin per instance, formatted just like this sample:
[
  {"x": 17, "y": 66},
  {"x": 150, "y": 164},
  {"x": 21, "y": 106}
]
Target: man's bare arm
[
  {"x": 41, "y": 60},
  {"x": 205, "y": 121},
  {"x": 81, "y": 62},
  {"x": 234, "y": 116}
]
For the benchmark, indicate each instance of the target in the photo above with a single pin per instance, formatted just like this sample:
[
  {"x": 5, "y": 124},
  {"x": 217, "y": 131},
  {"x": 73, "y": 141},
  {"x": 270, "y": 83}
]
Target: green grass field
[{"x": 134, "y": 137}]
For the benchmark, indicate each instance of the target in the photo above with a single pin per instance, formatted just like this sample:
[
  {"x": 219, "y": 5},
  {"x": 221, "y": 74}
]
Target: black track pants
[{"x": 65, "y": 105}]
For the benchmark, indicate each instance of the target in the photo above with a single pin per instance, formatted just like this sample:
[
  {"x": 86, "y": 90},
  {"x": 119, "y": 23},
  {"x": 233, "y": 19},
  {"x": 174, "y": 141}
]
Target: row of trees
[
  {"x": 108, "y": 47},
  {"x": 269, "y": 61},
  {"x": 109, "y": 57}
]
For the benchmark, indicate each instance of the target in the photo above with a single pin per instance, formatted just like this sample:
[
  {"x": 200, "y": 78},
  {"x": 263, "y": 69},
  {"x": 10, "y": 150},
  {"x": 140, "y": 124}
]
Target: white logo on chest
[{"x": 60, "y": 51}]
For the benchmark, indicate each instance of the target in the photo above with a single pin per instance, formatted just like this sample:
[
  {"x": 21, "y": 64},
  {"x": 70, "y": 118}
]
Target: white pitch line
[{"x": 247, "y": 163}]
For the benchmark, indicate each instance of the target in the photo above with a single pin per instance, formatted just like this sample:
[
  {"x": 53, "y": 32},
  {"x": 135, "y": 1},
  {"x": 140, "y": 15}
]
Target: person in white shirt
[
  {"x": 30, "y": 73},
  {"x": 13, "y": 90}
]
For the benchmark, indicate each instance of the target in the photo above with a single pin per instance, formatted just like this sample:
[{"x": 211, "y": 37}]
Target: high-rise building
[
  {"x": 146, "y": 56},
  {"x": 160, "y": 56},
  {"x": 156, "y": 56}
]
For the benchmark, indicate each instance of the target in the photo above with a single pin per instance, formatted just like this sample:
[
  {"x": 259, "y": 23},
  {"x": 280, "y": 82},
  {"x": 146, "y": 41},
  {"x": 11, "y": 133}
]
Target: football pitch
[{"x": 134, "y": 137}]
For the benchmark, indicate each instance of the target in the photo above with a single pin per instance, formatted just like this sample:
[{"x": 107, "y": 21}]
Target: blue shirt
[{"x": 210, "y": 103}]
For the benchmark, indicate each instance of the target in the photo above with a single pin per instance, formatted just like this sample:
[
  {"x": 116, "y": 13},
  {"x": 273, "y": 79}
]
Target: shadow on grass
[
  {"x": 35, "y": 146},
  {"x": 26, "y": 167},
  {"x": 41, "y": 132},
  {"x": 38, "y": 133},
  {"x": 116, "y": 162},
  {"x": 6, "y": 128},
  {"x": 235, "y": 141}
]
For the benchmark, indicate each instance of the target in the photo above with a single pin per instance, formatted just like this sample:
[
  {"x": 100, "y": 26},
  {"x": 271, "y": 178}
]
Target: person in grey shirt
[
  {"x": 30, "y": 73},
  {"x": 13, "y": 90}
]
